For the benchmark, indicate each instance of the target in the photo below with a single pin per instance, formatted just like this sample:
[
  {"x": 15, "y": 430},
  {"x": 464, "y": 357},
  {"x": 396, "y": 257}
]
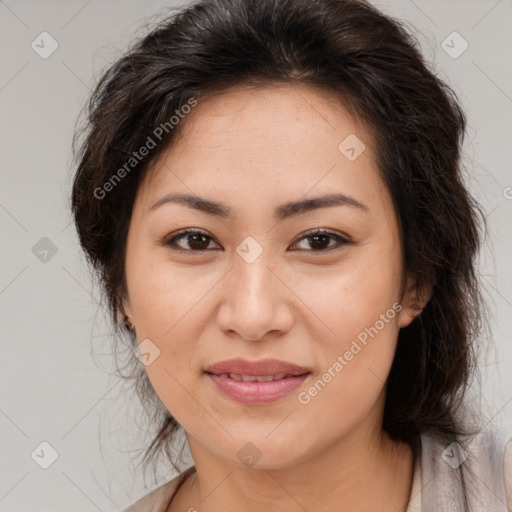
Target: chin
[{"x": 260, "y": 453}]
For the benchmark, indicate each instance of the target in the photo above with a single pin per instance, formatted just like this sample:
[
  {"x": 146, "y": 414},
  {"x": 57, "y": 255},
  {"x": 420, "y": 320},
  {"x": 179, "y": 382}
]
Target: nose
[{"x": 256, "y": 303}]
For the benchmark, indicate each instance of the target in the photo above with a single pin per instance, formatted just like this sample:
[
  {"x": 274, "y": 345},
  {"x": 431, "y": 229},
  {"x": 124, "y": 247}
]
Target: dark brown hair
[{"x": 375, "y": 66}]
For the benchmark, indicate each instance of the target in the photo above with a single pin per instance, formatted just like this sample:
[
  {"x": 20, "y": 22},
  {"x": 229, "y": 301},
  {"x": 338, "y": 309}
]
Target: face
[{"x": 255, "y": 280}]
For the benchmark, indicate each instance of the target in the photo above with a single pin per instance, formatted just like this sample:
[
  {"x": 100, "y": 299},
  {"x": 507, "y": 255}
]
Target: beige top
[{"x": 156, "y": 500}]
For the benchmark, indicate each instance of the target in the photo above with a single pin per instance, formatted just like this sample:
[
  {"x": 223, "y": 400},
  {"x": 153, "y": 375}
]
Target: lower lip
[{"x": 257, "y": 393}]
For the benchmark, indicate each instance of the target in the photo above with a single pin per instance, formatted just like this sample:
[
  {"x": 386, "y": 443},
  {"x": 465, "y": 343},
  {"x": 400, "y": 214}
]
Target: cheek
[
  {"x": 164, "y": 295},
  {"x": 171, "y": 308},
  {"x": 358, "y": 309},
  {"x": 163, "y": 300},
  {"x": 169, "y": 313},
  {"x": 345, "y": 298},
  {"x": 350, "y": 388}
]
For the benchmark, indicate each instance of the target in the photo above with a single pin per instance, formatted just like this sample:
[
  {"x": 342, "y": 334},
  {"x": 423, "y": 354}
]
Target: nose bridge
[
  {"x": 254, "y": 301},
  {"x": 252, "y": 282}
]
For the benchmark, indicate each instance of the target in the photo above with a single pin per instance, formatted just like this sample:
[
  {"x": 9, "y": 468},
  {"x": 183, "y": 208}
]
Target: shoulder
[
  {"x": 158, "y": 499},
  {"x": 476, "y": 471}
]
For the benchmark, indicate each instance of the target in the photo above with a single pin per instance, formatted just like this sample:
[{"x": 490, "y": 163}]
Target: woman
[{"x": 271, "y": 194}]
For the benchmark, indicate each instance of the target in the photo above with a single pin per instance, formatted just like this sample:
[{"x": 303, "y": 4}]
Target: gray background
[{"x": 53, "y": 389}]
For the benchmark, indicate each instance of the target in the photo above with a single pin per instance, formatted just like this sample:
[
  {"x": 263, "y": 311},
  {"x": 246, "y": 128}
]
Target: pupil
[
  {"x": 195, "y": 238},
  {"x": 315, "y": 239}
]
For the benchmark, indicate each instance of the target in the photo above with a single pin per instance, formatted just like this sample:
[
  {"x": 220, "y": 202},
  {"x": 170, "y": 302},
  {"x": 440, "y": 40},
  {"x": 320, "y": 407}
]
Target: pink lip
[
  {"x": 256, "y": 393},
  {"x": 262, "y": 367}
]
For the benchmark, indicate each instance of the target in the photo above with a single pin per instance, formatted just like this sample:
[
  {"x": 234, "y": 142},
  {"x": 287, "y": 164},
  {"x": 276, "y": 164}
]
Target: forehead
[
  {"x": 268, "y": 116},
  {"x": 272, "y": 139}
]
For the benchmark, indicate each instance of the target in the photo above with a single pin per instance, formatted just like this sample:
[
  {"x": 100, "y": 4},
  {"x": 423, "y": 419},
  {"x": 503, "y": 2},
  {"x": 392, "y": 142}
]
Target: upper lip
[{"x": 261, "y": 367}]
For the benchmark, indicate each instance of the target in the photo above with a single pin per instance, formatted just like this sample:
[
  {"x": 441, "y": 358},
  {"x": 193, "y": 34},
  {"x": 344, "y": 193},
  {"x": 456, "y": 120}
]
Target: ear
[
  {"x": 413, "y": 301},
  {"x": 127, "y": 311}
]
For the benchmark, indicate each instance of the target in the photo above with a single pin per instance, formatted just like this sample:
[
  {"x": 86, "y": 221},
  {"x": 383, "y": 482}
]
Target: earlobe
[
  {"x": 409, "y": 313},
  {"x": 128, "y": 317},
  {"x": 413, "y": 302}
]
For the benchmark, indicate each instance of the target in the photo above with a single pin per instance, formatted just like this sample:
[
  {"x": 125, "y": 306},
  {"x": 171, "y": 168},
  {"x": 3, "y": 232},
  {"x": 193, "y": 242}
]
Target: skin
[{"x": 255, "y": 149}]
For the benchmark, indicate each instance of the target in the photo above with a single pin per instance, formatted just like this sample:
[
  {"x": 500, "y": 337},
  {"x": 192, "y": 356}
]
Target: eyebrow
[{"x": 282, "y": 212}]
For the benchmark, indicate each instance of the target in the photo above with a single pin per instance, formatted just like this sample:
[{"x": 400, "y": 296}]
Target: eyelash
[{"x": 171, "y": 242}]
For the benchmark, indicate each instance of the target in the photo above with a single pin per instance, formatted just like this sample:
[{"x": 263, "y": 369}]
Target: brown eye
[
  {"x": 319, "y": 240},
  {"x": 192, "y": 240},
  {"x": 198, "y": 241}
]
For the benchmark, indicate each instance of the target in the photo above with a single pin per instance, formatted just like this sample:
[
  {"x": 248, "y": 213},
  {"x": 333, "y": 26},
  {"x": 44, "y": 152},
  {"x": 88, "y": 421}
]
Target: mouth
[
  {"x": 256, "y": 378},
  {"x": 258, "y": 382}
]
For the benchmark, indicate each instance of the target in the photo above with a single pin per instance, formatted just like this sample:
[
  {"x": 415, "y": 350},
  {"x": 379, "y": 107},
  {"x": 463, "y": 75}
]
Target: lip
[
  {"x": 262, "y": 367},
  {"x": 256, "y": 393}
]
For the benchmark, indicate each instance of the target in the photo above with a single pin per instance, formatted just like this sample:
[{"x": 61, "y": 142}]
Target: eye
[
  {"x": 198, "y": 241},
  {"x": 319, "y": 240},
  {"x": 193, "y": 240}
]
